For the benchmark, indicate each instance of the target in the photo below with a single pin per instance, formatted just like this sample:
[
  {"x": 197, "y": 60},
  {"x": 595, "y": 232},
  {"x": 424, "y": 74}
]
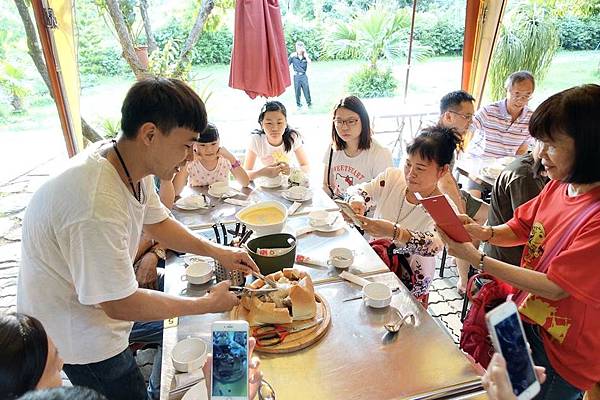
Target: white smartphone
[
  {"x": 348, "y": 211},
  {"x": 230, "y": 360},
  {"x": 508, "y": 337}
]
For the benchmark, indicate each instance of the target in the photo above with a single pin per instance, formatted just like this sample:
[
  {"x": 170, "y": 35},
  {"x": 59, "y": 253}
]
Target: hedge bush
[
  {"x": 369, "y": 82},
  {"x": 95, "y": 59},
  {"x": 579, "y": 33},
  {"x": 443, "y": 37},
  {"x": 311, "y": 37},
  {"x": 212, "y": 47}
]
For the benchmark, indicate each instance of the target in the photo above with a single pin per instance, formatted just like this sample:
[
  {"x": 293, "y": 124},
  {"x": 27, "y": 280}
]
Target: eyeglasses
[
  {"x": 348, "y": 122},
  {"x": 520, "y": 96},
  {"x": 466, "y": 117}
]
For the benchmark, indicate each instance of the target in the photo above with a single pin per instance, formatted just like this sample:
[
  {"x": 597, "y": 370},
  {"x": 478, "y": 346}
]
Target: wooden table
[
  {"x": 224, "y": 212},
  {"x": 356, "y": 359}
]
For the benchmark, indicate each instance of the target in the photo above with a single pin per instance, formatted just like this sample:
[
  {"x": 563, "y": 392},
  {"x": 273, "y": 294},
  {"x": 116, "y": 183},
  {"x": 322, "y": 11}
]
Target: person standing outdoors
[{"x": 299, "y": 61}]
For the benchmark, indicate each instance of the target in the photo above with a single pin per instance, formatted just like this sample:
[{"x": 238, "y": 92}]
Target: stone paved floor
[{"x": 445, "y": 303}]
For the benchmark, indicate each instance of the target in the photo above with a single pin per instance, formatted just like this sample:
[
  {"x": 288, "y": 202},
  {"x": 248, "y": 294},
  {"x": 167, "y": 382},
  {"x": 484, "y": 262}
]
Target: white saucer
[
  {"x": 192, "y": 258},
  {"x": 181, "y": 204},
  {"x": 229, "y": 193},
  {"x": 265, "y": 184},
  {"x": 490, "y": 172},
  {"x": 326, "y": 228},
  {"x": 286, "y": 195}
]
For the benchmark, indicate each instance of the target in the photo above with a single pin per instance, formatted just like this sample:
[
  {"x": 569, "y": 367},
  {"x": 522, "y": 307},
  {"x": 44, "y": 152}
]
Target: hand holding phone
[
  {"x": 229, "y": 377},
  {"x": 508, "y": 337},
  {"x": 444, "y": 216},
  {"x": 348, "y": 212}
]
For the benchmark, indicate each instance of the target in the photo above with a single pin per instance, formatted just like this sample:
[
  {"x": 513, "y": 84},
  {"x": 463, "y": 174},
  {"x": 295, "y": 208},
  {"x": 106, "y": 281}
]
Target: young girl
[
  {"x": 211, "y": 163},
  {"x": 399, "y": 215},
  {"x": 273, "y": 143},
  {"x": 353, "y": 157}
]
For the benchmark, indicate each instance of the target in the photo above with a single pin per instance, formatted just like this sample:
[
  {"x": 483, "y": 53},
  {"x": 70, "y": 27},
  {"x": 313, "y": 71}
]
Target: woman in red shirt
[{"x": 561, "y": 305}]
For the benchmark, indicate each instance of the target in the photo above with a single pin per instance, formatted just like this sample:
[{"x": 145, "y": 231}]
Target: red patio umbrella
[{"x": 259, "y": 63}]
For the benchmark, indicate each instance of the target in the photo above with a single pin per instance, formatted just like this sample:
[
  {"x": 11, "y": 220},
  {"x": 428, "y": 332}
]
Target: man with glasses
[
  {"x": 456, "y": 112},
  {"x": 501, "y": 128}
]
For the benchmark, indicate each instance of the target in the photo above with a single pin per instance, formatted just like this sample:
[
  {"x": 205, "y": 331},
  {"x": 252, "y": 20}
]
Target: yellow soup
[{"x": 263, "y": 216}]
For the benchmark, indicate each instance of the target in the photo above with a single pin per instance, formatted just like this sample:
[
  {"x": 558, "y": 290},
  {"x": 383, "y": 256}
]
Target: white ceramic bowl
[
  {"x": 341, "y": 257},
  {"x": 189, "y": 354},
  {"x": 219, "y": 188},
  {"x": 198, "y": 272},
  {"x": 263, "y": 228},
  {"x": 319, "y": 217},
  {"x": 297, "y": 192},
  {"x": 377, "y": 295}
]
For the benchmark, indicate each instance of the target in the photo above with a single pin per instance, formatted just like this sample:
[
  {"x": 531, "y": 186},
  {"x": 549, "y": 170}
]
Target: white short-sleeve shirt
[
  {"x": 269, "y": 154},
  {"x": 80, "y": 235}
]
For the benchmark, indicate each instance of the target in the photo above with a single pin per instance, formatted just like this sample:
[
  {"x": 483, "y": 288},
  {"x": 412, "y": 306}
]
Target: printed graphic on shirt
[
  {"x": 536, "y": 308},
  {"x": 345, "y": 176},
  {"x": 544, "y": 314},
  {"x": 535, "y": 247}
]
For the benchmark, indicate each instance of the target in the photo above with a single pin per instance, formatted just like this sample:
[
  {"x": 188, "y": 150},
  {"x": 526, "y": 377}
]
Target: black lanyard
[{"x": 138, "y": 194}]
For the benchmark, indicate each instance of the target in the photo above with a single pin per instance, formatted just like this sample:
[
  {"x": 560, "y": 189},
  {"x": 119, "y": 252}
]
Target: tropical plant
[
  {"x": 380, "y": 33},
  {"x": 111, "y": 127},
  {"x": 369, "y": 82},
  {"x": 11, "y": 80},
  {"x": 528, "y": 41}
]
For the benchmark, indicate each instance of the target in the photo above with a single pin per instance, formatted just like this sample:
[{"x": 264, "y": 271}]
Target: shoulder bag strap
[{"x": 329, "y": 172}]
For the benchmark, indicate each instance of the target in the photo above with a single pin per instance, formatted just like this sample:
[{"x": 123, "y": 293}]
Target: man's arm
[
  {"x": 152, "y": 305},
  {"x": 173, "y": 235}
]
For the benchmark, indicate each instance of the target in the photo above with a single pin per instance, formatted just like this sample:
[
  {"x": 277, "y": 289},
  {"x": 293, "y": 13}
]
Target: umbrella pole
[{"x": 410, "y": 43}]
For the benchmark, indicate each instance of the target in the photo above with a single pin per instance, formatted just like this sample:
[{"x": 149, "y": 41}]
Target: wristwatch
[{"x": 160, "y": 253}]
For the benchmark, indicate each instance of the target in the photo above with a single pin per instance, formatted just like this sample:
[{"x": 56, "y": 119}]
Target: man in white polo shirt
[
  {"x": 502, "y": 128},
  {"x": 82, "y": 229}
]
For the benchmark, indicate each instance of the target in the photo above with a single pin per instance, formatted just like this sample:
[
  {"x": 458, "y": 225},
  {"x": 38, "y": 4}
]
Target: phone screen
[
  {"x": 230, "y": 364},
  {"x": 515, "y": 352}
]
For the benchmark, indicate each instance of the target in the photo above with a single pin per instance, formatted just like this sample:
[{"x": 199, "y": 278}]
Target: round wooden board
[{"x": 298, "y": 340}]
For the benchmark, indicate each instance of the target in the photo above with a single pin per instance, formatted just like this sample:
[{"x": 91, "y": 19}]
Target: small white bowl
[
  {"x": 319, "y": 217},
  {"x": 219, "y": 188},
  {"x": 377, "y": 295},
  {"x": 297, "y": 192},
  {"x": 341, "y": 257},
  {"x": 189, "y": 354},
  {"x": 198, "y": 273}
]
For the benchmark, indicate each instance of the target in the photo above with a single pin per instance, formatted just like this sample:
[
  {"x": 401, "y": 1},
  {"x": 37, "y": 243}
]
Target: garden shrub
[
  {"x": 96, "y": 59},
  {"x": 443, "y": 37},
  {"x": 213, "y": 47},
  {"x": 579, "y": 33},
  {"x": 309, "y": 35},
  {"x": 369, "y": 82}
]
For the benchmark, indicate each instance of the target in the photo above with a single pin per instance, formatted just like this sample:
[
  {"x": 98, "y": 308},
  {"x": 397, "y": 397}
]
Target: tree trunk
[
  {"x": 205, "y": 9},
  {"x": 147, "y": 27},
  {"x": 125, "y": 39},
  {"x": 36, "y": 55}
]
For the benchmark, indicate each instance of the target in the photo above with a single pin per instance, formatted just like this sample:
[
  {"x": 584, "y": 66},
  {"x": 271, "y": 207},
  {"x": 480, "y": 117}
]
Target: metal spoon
[
  {"x": 265, "y": 391},
  {"x": 394, "y": 327},
  {"x": 264, "y": 278}
]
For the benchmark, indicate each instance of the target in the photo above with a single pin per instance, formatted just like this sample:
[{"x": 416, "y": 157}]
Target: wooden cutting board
[{"x": 298, "y": 340}]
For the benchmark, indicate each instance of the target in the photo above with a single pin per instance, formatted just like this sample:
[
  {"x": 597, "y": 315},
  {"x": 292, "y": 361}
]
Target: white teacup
[
  {"x": 198, "y": 272},
  {"x": 219, "y": 188},
  {"x": 274, "y": 181},
  {"x": 341, "y": 257},
  {"x": 189, "y": 354},
  {"x": 319, "y": 218},
  {"x": 297, "y": 192},
  {"x": 377, "y": 295}
]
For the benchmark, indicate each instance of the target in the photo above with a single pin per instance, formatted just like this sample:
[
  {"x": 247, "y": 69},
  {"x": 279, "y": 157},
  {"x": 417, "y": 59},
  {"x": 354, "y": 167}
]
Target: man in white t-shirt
[{"x": 82, "y": 229}]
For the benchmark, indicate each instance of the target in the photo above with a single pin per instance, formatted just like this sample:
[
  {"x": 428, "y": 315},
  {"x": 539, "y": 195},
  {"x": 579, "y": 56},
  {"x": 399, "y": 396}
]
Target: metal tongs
[{"x": 248, "y": 291}]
